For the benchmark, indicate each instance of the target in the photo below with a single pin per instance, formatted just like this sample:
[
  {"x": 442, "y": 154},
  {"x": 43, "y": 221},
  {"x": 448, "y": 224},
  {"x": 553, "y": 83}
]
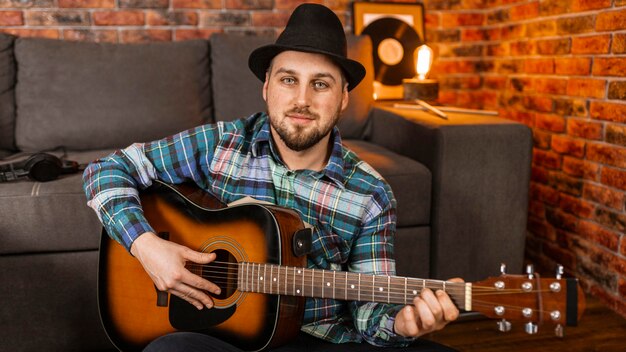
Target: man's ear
[
  {"x": 345, "y": 98},
  {"x": 267, "y": 77}
]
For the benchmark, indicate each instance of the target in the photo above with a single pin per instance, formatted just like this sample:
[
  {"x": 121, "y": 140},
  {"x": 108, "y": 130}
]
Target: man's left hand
[{"x": 431, "y": 311}]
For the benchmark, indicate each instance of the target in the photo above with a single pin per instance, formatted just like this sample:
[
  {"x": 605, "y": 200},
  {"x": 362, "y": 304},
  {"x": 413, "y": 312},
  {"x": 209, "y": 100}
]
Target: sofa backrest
[
  {"x": 88, "y": 96},
  {"x": 238, "y": 93}
]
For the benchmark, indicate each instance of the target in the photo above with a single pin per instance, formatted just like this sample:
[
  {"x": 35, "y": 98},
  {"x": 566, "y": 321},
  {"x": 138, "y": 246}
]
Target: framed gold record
[{"x": 396, "y": 30}]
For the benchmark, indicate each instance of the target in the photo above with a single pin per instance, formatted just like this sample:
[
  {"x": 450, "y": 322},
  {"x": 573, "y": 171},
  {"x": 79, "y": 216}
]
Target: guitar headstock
[{"x": 530, "y": 299}]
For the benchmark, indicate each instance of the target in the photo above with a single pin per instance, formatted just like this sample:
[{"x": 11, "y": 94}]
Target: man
[{"x": 292, "y": 156}]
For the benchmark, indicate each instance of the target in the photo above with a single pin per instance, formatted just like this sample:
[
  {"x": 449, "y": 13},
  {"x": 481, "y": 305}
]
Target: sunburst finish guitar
[{"x": 260, "y": 268}]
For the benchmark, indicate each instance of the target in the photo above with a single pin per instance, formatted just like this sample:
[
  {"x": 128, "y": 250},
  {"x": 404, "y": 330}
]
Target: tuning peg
[
  {"x": 559, "y": 272},
  {"x": 504, "y": 325},
  {"x": 531, "y": 328},
  {"x": 503, "y": 269},
  {"x": 558, "y": 330},
  {"x": 530, "y": 271}
]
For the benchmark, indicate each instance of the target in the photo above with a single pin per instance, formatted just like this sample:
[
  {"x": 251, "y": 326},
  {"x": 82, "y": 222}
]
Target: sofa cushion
[
  {"x": 237, "y": 91},
  {"x": 87, "y": 96},
  {"x": 7, "y": 93},
  {"x": 410, "y": 181},
  {"x": 49, "y": 216}
]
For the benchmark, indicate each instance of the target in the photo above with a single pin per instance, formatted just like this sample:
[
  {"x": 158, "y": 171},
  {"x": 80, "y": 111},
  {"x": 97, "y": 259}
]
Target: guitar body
[{"x": 135, "y": 313}]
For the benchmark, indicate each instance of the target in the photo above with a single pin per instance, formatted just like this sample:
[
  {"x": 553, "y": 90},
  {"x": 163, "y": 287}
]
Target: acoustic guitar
[{"x": 261, "y": 270}]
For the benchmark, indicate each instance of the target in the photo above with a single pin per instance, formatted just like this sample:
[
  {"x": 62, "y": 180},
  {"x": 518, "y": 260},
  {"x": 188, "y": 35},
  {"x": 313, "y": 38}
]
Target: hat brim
[{"x": 260, "y": 59}]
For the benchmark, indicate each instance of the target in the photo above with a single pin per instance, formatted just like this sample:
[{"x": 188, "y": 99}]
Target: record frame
[{"x": 364, "y": 13}]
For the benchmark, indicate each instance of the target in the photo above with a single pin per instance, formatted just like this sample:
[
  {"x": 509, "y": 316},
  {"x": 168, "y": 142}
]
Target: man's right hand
[{"x": 165, "y": 262}]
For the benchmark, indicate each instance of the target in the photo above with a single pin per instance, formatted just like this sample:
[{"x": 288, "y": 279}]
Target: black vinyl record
[{"x": 394, "y": 44}]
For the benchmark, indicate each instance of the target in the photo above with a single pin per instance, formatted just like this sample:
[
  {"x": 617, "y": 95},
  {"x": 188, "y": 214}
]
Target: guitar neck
[{"x": 342, "y": 285}]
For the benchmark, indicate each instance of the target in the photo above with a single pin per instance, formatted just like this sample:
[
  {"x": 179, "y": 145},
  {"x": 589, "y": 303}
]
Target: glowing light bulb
[{"x": 424, "y": 61}]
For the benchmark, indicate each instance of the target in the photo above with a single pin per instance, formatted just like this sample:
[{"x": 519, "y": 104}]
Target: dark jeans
[{"x": 194, "y": 342}]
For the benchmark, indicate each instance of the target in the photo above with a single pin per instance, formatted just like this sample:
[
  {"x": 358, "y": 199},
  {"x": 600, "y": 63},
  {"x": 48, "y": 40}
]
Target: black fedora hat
[{"x": 311, "y": 28}]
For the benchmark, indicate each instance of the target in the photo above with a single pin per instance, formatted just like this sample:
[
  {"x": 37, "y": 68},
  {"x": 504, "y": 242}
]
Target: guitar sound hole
[{"x": 223, "y": 273}]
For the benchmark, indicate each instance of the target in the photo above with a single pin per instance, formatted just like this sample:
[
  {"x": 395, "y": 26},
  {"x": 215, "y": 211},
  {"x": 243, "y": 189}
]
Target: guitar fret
[
  {"x": 388, "y": 289},
  {"x": 334, "y": 285},
  {"x": 323, "y": 287},
  {"x": 359, "y": 287},
  {"x": 405, "y": 289},
  {"x": 373, "y": 287}
]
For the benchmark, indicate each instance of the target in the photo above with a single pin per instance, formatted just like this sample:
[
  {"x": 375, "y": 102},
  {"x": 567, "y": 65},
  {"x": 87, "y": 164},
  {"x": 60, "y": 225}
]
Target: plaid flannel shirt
[{"x": 349, "y": 204}]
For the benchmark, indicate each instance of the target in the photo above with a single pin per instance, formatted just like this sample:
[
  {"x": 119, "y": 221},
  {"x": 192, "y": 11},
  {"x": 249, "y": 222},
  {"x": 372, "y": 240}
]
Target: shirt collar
[{"x": 262, "y": 145}]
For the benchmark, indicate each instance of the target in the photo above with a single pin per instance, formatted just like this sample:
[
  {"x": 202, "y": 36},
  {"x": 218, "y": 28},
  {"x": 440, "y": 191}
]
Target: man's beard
[{"x": 302, "y": 138}]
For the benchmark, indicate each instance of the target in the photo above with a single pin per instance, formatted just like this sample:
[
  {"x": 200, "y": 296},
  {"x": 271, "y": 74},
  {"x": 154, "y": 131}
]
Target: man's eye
[
  {"x": 320, "y": 85},
  {"x": 288, "y": 80}
]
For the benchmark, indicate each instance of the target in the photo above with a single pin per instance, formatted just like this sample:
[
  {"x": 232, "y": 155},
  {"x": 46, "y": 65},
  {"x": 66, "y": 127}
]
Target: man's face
[{"x": 305, "y": 96}]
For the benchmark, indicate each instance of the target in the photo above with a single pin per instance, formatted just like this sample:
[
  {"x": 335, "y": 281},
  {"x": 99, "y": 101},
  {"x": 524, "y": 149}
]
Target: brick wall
[{"x": 558, "y": 66}]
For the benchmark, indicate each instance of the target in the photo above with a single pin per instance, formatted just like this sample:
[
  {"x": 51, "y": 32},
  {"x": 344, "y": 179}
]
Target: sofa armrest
[{"x": 481, "y": 172}]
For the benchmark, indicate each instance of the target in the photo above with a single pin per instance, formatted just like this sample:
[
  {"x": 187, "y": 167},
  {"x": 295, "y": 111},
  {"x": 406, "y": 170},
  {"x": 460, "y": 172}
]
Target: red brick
[
  {"x": 539, "y": 66},
  {"x": 610, "y": 21},
  {"x": 544, "y": 193},
  {"x": 524, "y": 11},
  {"x": 608, "y": 111},
  {"x": 431, "y": 19},
  {"x": 576, "y": 206},
  {"x": 539, "y": 103},
  {"x": 623, "y": 246},
  {"x": 554, "y": 123},
  {"x": 561, "y": 220},
  {"x": 187, "y": 34},
  {"x": 547, "y": 8},
  {"x": 240, "y": 4},
  {"x": 609, "y": 66},
  {"x": 550, "y": 85},
  {"x": 619, "y": 44},
  {"x": 143, "y": 4},
  {"x": 572, "y": 66},
  {"x": 473, "y": 34},
  {"x": 523, "y": 48},
  {"x": 198, "y": 4},
  {"x": 39, "y": 33},
  {"x": 169, "y": 18},
  {"x": 145, "y": 35},
  {"x": 11, "y": 18},
  {"x": 87, "y": 4},
  {"x": 611, "y": 219},
  {"x": 585, "y": 5},
  {"x": 614, "y": 178},
  {"x": 547, "y": 159},
  {"x": 616, "y": 134},
  {"x": 57, "y": 18},
  {"x": 292, "y": 4},
  {"x": 567, "y": 145},
  {"x": 541, "y": 29},
  {"x": 594, "y": 44},
  {"x": 607, "y": 154},
  {"x": 584, "y": 129},
  {"x": 536, "y": 209},
  {"x": 11, "y": 4},
  {"x": 617, "y": 90},
  {"x": 565, "y": 183},
  {"x": 118, "y": 18},
  {"x": 454, "y": 20},
  {"x": 574, "y": 25},
  {"x": 560, "y": 46},
  {"x": 539, "y": 174},
  {"x": 605, "y": 196},
  {"x": 542, "y": 139},
  {"x": 270, "y": 19},
  {"x": 586, "y": 87},
  {"x": 580, "y": 168},
  {"x": 87, "y": 35},
  {"x": 221, "y": 19},
  {"x": 494, "y": 82}
]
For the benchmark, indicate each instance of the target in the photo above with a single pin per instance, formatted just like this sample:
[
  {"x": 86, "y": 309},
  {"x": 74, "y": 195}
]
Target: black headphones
[{"x": 40, "y": 167}]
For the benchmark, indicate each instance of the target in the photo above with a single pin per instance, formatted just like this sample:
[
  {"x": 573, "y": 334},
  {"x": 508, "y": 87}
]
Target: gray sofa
[{"x": 461, "y": 184}]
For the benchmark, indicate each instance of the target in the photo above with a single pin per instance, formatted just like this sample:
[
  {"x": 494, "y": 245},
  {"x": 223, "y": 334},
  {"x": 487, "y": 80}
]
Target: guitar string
[{"x": 310, "y": 274}]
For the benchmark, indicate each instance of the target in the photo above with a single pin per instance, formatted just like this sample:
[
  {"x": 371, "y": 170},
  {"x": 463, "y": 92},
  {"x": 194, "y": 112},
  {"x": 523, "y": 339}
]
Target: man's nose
[{"x": 303, "y": 97}]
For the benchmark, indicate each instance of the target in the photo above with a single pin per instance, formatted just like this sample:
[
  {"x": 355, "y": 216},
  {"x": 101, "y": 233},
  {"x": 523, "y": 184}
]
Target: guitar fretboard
[{"x": 343, "y": 285}]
